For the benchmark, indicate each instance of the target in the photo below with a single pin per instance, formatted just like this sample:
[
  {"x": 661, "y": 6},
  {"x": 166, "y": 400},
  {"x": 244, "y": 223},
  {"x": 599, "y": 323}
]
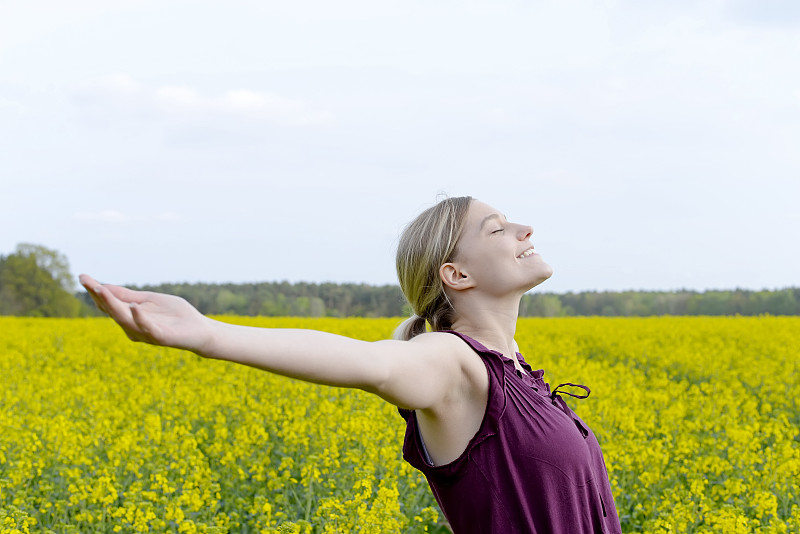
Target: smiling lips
[{"x": 527, "y": 253}]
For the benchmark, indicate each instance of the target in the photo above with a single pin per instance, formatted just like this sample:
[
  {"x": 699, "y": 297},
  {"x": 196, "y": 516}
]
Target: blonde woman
[{"x": 500, "y": 450}]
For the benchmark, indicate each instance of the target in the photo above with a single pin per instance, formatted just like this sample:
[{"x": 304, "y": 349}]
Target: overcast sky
[{"x": 652, "y": 145}]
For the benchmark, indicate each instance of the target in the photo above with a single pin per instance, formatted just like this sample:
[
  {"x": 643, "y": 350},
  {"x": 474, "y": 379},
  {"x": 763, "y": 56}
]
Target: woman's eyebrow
[{"x": 488, "y": 217}]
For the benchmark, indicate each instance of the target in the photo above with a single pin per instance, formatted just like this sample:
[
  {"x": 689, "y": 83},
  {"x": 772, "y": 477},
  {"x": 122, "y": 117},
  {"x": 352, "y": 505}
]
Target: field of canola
[{"x": 698, "y": 419}]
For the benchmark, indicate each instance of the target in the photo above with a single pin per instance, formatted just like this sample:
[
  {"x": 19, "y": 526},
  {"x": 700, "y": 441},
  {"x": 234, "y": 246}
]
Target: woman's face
[{"x": 496, "y": 255}]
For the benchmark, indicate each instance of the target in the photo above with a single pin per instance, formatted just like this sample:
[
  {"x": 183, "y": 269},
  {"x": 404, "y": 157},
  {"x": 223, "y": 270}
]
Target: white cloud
[
  {"x": 167, "y": 216},
  {"x": 497, "y": 116},
  {"x": 271, "y": 106},
  {"x": 178, "y": 98},
  {"x": 118, "y": 83},
  {"x": 112, "y": 216},
  {"x": 107, "y": 216},
  {"x": 11, "y": 105},
  {"x": 123, "y": 92},
  {"x": 248, "y": 100}
]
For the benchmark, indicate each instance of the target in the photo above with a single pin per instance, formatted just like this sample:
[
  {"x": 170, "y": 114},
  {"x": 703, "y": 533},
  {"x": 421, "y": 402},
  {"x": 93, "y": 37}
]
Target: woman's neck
[{"x": 492, "y": 323}]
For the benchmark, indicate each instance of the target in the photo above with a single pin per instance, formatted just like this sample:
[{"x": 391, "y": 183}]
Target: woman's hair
[{"x": 427, "y": 243}]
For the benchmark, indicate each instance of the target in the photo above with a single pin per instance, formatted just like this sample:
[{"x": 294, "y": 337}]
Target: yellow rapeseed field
[{"x": 698, "y": 419}]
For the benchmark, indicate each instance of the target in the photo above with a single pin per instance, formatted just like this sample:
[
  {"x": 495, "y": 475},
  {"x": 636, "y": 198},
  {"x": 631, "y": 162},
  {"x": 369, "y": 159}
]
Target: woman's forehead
[{"x": 479, "y": 212}]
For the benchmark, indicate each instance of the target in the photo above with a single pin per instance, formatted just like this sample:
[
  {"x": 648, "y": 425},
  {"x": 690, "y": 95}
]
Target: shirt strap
[
  {"x": 559, "y": 402},
  {"x": 588, "y": 391}
]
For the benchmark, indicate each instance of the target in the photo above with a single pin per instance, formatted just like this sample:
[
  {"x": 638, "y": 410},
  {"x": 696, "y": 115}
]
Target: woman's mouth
[{"x": 527, "y": 253}]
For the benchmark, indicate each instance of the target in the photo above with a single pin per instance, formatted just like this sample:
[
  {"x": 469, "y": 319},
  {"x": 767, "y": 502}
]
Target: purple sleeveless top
[{"x": 532, "y": 467}]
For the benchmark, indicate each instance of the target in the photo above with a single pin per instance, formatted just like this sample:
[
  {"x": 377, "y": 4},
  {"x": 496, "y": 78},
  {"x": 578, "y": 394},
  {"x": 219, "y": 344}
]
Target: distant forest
[
  {"x": 36, "y": 282},
  {"x": 360, "y": 300}
]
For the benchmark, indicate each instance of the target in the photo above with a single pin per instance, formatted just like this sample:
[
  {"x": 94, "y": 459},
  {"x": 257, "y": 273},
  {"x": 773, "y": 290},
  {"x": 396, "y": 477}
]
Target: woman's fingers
[
  {"x": 93, "y": 287},
  {"x": 144, "y": 324},
  {"x": 122, "y": 313},
  {"x": 126, "y": 295},
  {"x": 118, "y": 310},
  {"x": 88, "y": 282},
  {"x": 98, "y": 301},
  {"x": 122, "y": 293},
  {"x": 143, "y": 315},
  {"x": 103, "y": 294}
]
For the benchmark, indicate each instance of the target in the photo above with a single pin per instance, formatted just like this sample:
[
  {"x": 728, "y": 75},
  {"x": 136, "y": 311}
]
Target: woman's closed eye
[{"x": 498, "y": 230}]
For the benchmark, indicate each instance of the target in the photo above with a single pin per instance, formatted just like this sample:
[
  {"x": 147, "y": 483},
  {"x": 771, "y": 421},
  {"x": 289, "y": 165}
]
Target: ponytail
[
  {"x": 427, "y": 243},
  {"x": 411, "y": 327}
]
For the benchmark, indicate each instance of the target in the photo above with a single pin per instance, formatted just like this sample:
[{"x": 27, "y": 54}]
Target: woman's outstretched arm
[{"x": 415, "y": 374}]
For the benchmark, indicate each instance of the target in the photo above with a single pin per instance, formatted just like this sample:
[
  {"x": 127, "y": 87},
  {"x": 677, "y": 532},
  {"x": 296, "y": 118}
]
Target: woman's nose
[{"x": 525, "y": 232}]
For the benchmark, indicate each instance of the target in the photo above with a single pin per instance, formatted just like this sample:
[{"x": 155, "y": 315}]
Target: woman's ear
[{"x": 455, "y": 278}]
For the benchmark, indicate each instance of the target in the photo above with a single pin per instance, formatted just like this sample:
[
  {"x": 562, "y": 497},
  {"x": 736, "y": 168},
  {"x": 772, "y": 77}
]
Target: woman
[{"x": 501, "y": 452}]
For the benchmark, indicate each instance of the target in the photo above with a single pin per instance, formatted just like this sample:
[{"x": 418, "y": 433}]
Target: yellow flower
[{"x": 696, "y": 417}]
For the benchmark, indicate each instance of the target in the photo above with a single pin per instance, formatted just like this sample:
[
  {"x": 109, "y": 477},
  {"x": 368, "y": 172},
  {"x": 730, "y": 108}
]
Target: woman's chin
[
  {"x": 543, "y": 274},
  {"x": 548, "y": 271}
]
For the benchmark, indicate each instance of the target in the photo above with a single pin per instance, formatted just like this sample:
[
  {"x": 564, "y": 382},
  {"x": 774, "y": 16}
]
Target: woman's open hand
[{"x": 153, "y": 318}]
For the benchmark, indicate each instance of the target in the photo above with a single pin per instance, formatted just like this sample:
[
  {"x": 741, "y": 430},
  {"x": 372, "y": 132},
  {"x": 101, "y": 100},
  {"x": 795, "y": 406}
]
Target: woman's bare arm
[{"x": 415, "y": 374}]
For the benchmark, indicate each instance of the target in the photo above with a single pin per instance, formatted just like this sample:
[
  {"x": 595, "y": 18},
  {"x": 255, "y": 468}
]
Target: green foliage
[
  {"x": 35, "y": 281},
  {"x": 282, "y": 299},
  {"x": 648, "y": 303},
  {"x": 546, "y": 305},
  {"x": 51, "y": 261}
]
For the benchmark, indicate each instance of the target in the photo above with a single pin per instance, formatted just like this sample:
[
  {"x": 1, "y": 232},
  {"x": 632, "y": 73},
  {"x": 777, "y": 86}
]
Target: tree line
[
  {"x": 302, "y": 299},
  {"x": 360, "y": 300},
  {"x": 36, "y": 281},
  {"x": 647, "y": 303}
]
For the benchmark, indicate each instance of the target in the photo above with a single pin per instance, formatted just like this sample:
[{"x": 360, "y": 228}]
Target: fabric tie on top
[{"x": 559, "y": 402}]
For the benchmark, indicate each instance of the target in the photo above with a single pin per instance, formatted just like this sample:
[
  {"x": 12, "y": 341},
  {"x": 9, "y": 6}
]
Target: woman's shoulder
[
  {"x": 458, "y": 346},
  {"x": 446, "y": 340},
  {"x": 444, "y": 343}
]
